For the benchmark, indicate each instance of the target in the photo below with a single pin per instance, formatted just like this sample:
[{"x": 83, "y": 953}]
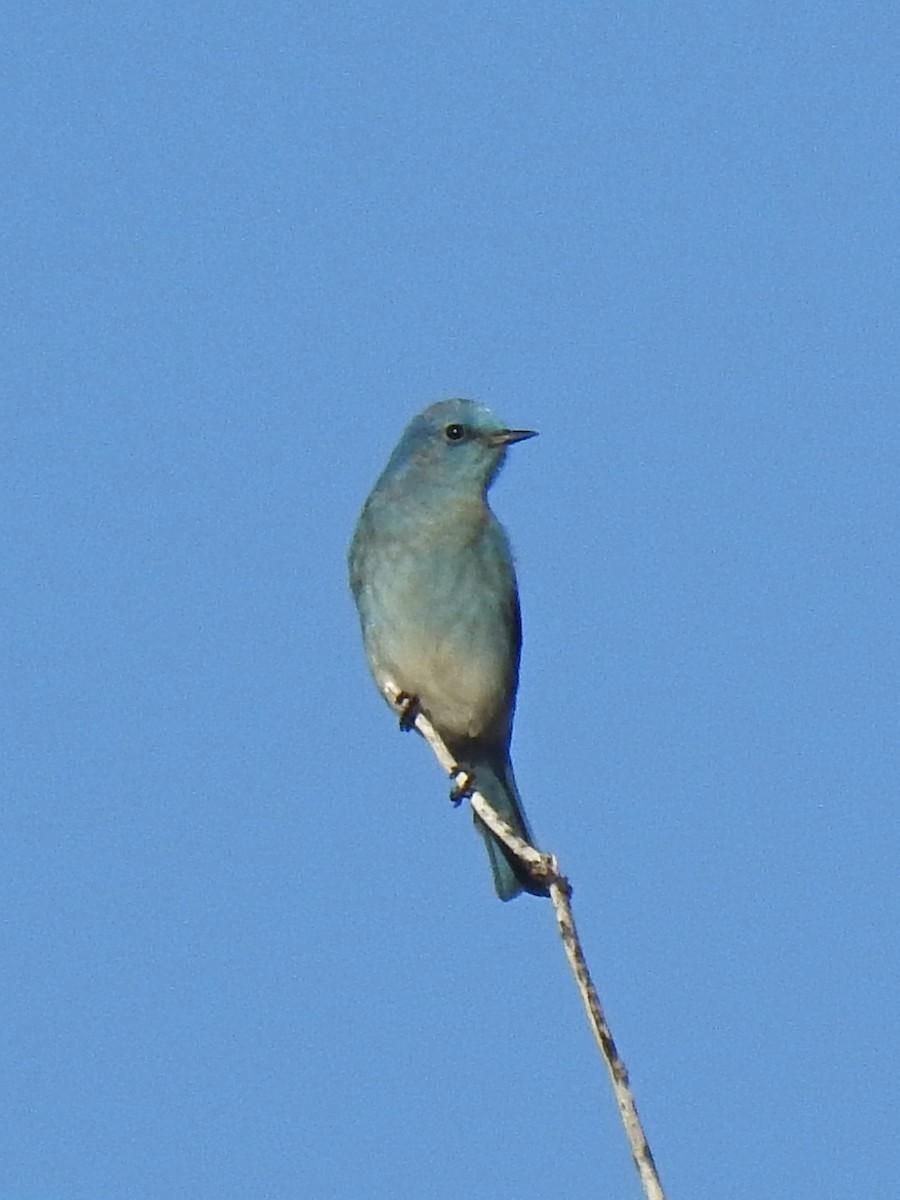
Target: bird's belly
[
  {"x": 461, "y": 693},
  {"x": 452, "y": 649}
]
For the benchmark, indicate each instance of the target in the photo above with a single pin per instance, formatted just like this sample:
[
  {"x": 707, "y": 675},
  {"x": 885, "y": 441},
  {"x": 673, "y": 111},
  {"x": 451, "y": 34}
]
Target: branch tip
[{"x": 545, "y": 869}]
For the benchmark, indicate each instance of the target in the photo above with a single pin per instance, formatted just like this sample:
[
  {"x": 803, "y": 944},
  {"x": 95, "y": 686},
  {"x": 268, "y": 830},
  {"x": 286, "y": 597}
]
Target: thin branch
[{"x": 545, "y": 868}]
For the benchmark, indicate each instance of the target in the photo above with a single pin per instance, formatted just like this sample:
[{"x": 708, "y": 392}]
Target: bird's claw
[
  {"x": 408, "y": 708},
  {"x": 463, "y": 786}
]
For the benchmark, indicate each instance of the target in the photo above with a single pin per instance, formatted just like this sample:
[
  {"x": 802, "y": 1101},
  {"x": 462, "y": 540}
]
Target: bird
[{"x": 432, "y": 575}]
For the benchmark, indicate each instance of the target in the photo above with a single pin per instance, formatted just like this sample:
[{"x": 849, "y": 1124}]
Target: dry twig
[{"x": 544, "y": 867}]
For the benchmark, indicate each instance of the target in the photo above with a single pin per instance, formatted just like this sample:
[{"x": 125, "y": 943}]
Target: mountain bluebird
[{"x": 432, "y": 575}]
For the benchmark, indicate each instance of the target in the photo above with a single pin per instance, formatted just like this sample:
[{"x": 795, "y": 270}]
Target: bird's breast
[{"x": 440, "y": 619}]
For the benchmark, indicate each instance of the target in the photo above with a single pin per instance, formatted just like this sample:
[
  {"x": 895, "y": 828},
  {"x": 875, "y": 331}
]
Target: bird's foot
[
  {"x": 463, "y": 785},
  {"x": 408, "y": 708}
]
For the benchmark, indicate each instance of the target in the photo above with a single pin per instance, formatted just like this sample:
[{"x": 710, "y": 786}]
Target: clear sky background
[{"x": 249, "y": 949}]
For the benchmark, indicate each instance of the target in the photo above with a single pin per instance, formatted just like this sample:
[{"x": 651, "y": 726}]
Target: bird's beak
[{"x": 506, "y": 437}]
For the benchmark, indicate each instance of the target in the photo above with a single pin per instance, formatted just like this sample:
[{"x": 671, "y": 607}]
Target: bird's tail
[{"x": 495, "y": 780}]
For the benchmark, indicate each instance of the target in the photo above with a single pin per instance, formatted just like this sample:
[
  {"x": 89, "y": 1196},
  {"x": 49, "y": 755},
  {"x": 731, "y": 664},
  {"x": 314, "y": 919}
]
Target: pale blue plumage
[{"x": 433, "y": 579}]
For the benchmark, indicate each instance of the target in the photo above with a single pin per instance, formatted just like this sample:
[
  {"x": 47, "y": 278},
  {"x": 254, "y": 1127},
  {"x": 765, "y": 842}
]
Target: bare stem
[{"x": 545, "y": 868}]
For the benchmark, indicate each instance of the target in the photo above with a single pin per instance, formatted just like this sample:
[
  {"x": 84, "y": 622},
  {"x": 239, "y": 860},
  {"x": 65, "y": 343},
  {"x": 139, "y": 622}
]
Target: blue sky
[{"x": 249, "y": 948}]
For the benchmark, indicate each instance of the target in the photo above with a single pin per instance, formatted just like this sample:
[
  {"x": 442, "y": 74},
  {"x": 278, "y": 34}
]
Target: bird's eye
[{"x": 454, "y": 432}]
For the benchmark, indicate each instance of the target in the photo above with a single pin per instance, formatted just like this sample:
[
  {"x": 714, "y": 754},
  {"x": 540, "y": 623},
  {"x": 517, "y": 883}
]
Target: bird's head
[{"x": 454, "y": 444}]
